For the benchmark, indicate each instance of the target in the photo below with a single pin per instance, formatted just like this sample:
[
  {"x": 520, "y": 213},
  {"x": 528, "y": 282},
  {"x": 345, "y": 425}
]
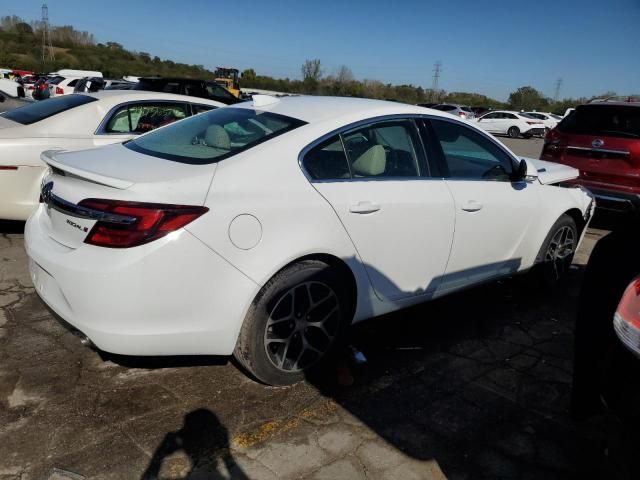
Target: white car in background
[
  {"x": 264, "y": 229},
  {"x": 513, "y": 124},
  {"x": 549, "y": 120},
  {"x": 64, "y": 81},
  {"x": 74, "y": 122}
]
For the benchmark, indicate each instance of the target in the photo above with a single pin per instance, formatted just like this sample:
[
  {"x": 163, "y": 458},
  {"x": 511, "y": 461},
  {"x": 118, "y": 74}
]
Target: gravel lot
[{"x": 467, "y": 387}]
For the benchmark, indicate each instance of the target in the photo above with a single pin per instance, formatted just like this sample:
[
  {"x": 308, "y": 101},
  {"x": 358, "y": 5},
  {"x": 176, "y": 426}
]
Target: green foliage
[{"x": 21, "y": 47}]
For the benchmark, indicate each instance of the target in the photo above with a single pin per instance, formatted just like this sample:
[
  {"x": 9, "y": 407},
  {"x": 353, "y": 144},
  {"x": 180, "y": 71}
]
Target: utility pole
[
  {"x": 46, "y": 37},
  {"x": 437, "y": 69},
  {"x": 556, "y": 97}
]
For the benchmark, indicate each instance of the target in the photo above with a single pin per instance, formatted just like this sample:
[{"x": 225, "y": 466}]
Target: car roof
[
  {"x": 316, "y": 109},
  {"x": 609, "y": 103},
  {"x": 118, "y": 96}
]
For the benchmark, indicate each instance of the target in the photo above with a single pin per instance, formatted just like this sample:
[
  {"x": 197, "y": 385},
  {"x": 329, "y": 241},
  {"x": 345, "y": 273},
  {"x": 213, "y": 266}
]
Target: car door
[
  {"x": 399, "y": 218},
  {"x": 488, "y": 122},
  {"x": 132, "y": 119},
  {"x": 493, "y": 214}
]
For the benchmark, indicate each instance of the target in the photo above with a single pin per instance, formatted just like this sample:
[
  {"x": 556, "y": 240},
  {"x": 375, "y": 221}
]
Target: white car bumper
[{"x": 173, "y": 296}]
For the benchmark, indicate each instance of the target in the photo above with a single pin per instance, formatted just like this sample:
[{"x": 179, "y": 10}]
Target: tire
[
  {"x": 513, "y": 132},
  {"x": 557, "y": 251},
  {"x": 278, "y": 345}
]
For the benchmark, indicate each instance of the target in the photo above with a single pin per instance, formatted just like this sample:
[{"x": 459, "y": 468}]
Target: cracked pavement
[{"x": 471, "y": 386}]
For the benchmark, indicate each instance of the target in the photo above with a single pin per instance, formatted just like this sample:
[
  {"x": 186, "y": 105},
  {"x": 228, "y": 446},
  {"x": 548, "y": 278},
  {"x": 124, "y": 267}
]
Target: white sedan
[
  {"x": 266, "y": 228},
  {"x": 513, "y": 124},
  {"x": 74, "y": 122},
  {"x": 549, "y": 120}
]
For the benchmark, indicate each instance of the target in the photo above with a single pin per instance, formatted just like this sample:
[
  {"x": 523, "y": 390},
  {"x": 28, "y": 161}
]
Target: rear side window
[
  {"x": 603, "y": 120},
  {"x": 38, "y": 111},
  {"x": 55, "y": 80},
  {"x": 327, "y": 161},
  {"x": 145, "y": 117},
  {"x": 213, "y": 136}
]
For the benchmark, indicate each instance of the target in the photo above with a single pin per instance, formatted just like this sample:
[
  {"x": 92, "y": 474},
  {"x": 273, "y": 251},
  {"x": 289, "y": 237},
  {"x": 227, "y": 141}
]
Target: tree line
[{"x": 21, "y": 47}]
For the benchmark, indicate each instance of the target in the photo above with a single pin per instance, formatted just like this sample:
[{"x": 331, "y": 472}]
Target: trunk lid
[{"x": 116, "y": 173}]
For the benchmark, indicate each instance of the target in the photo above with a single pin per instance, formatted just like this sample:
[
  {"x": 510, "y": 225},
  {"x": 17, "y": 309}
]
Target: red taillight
[
  {"x": 59, "y": 91},
  {"x": 462, "y": 114},
  {"x": 8, "y": 167},
  {"x": 626, "y": 321},
  {"x": 552, "y": 147},
  {"x": 30, "y": 87},
  {"x": 629, "y": 306},
  {"x": 532, "y": 123},
  {"x": 130, "y": 224}
]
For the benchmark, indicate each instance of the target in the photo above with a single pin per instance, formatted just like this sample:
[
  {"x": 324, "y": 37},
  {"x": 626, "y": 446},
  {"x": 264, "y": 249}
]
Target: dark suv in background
[
  {"x": 602, "y": 140},
  {"x": 187, "y": 86}
]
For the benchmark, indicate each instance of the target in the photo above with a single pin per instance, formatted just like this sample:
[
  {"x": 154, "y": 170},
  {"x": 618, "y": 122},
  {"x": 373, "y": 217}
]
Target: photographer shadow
[{"x": 205, "y": 440}]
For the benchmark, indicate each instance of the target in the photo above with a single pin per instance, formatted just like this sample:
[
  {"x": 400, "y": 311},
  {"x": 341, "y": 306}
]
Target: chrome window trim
[{"x": 101, "y": 130}]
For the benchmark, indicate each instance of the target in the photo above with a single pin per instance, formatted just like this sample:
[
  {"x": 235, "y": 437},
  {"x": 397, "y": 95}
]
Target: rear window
[
  {"x": 466, "y": 109},
  {"x": 445, "y": 108},
  {"x": 213, "y": 136},
  {"x": 35, "y": 112},
  {"x": 603, "y": 121},
  {"x": 55, "y": 80}
]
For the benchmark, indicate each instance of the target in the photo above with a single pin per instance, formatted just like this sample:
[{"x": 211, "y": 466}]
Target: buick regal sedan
[{"x": 266, "y": 228}]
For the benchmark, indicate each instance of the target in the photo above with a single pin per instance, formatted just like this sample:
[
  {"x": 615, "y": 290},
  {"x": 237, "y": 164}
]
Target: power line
[{"x": 556, "y": 97}]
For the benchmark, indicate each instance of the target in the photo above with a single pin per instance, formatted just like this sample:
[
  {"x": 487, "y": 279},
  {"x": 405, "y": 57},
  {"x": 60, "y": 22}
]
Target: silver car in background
[{"x": 459, "y": 110}]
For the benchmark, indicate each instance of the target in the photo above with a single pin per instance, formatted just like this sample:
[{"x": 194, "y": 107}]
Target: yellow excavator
[{"x": 228, "y": 78}]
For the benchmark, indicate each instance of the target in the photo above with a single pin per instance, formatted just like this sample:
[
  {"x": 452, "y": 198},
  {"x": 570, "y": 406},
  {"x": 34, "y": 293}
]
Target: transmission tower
[
  {"x": 47, "y": 48},
  {"x": 556, "y": 97},
  {"x": 437, "y": 69}
]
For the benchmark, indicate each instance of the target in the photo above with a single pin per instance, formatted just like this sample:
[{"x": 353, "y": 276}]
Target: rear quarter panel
[{"x": 267, "y": 183}]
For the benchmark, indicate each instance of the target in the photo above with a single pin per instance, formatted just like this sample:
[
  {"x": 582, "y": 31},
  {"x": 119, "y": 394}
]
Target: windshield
[
  {"x": 603, "y": 120},
  {"x": 213, "y": 136},
  {"x": 35, "y": 112}
]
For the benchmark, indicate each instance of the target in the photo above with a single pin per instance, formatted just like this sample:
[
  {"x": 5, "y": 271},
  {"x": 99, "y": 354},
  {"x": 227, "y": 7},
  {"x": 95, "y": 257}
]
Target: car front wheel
[
  {"x": 294, "y": 323},
  {"x": 557, "y": 251}
]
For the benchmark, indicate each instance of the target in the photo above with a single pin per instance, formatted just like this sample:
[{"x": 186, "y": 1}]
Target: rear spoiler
[{"x": 48, "y": 157}]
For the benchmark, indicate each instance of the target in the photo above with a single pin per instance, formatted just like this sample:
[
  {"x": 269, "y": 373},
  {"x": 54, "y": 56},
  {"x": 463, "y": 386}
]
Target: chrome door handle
[
  {"x": 364, "y": 207},
  {"x": 472, "y": 206}
]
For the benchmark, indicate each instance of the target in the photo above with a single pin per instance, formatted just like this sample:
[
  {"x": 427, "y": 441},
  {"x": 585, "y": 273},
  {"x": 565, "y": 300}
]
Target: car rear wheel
[
  {"x": 557, "y": 251},
  {"x": 294, "y": 324},
  {"x": 513, "y": 132}
]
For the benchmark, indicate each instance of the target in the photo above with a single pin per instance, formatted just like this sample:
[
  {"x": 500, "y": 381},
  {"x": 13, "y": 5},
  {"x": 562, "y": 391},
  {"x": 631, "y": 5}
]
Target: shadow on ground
[{"x": 479, "y": 381}]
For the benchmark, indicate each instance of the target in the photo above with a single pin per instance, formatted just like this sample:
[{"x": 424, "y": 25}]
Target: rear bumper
[
  {"x": 610, "y": 199},
  {"x": 535, "y": 131},
  {"x": 173, "y": 296}
]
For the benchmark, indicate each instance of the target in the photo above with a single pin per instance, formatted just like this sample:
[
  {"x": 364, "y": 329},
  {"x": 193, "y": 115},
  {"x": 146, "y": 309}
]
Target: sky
[{"x": 488, "y": 47}]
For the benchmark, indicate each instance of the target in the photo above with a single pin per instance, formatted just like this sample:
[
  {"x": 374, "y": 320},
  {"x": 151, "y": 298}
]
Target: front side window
[
  {"x": 491, "y": 116},
  {"x": 38, "y": 111},
  {"x": 144, "y": 117},
  {"x": 386, "y": 149},
  {"x": 213, "y": 136},
  {"x": 470, "y": 155}
]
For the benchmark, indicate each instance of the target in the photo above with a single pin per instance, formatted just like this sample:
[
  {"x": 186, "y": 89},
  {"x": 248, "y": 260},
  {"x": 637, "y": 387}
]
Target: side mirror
[{"x": 524, "y": 171}]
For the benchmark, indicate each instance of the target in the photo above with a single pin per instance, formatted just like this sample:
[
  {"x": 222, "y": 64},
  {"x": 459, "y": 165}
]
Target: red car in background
[{"x": 602, "y": 140}]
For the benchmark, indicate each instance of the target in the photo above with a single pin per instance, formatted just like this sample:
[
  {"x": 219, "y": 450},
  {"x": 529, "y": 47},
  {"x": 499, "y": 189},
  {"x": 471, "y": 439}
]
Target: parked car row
[{"x": 186, "y": 217}]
